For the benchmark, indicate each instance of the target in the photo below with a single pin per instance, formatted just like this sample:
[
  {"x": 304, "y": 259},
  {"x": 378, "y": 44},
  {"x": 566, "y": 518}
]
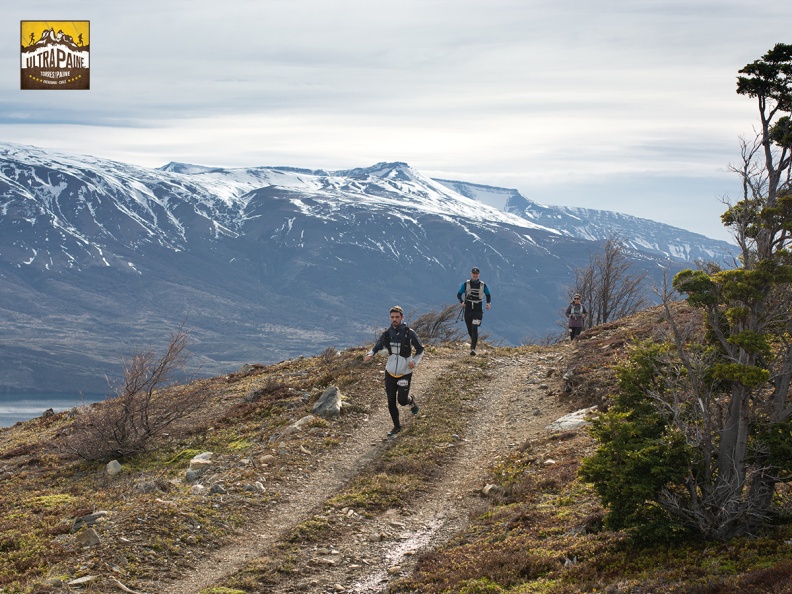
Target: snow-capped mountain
[
  {"x": 641, "y": 235},
  {"x": 100, "y": 259}
]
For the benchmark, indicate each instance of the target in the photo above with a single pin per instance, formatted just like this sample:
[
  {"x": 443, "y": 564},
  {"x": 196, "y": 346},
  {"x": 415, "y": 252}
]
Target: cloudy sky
[{"x": 625, "y": 105}]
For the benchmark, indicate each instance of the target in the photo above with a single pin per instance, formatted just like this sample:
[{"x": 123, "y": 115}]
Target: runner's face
[
  {"x": 396, "y": 319},
  {"x": 474, "y": 275}
]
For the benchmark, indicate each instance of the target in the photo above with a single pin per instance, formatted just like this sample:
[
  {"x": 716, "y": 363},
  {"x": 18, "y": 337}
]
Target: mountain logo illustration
[{"x": 55, "y": 55}]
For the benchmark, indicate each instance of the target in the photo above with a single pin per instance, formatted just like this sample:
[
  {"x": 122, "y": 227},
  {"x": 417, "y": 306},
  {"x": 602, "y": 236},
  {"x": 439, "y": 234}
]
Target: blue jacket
[{"x": 464, "y": 294}]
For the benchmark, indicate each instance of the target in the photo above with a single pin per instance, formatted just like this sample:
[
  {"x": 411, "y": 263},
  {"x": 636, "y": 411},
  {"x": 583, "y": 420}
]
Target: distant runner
[
  {"x": 471, "y": 295},
  {"x": 399, "y": 341},
  {"x": 576, "y": 313}
]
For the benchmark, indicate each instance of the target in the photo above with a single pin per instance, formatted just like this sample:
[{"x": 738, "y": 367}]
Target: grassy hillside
[{"x": 304, "y": 506}]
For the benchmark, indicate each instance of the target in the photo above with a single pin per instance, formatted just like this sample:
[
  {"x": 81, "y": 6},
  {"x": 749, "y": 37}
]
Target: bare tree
[
  {"x": 434, "y": 327},
  {"x": 607, "y": 287},
  {"x": 147, "y": 402}
]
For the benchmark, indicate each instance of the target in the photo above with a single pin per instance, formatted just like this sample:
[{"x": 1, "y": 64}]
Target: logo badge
[{"x": 55, "y": 55}]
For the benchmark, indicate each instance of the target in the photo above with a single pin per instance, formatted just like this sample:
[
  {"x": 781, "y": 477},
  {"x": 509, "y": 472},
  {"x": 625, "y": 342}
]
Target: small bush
[
  {"x": 435, "y": 327},
  {"x": 638, "y": 454},
  {"x": 313, "y": 530},
  {"x": 146, "y": 405},
  {"x": 273, "y": 389}
]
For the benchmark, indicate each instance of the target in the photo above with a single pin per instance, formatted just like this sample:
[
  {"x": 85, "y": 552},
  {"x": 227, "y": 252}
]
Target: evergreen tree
[{"x": 728, "y": 397}]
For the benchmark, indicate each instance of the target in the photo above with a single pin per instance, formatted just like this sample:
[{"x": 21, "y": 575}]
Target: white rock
[
  {"x": 304, "y": 421},
  {"x": 113, "y": 468},
  {"x": 199, "y": 464},
  {"x": 572, "y": 420},
  {"x": 82, "y": 580}
]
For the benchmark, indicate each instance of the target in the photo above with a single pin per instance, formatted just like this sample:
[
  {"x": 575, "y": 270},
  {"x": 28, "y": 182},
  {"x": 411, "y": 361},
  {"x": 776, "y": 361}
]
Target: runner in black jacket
[
  {"x": 471, "y": 295},
  {"x": 399, "y": 341}
]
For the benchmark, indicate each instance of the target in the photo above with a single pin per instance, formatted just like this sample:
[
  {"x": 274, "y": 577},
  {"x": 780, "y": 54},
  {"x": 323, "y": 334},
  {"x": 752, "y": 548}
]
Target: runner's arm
[
  {"x": 418, "y": 346},
  {"x": 380, "y": 344}
]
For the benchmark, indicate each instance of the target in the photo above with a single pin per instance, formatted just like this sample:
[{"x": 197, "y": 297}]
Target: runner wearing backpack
[
  {"x": 399, "y": 341},
  {"x": 471, "y": 295},
  {"x": 576, "y": 314}
]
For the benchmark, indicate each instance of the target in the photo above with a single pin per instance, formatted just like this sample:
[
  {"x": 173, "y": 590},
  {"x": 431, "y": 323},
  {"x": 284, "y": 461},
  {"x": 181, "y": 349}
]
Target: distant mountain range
[{"x": 100, "y": 259}]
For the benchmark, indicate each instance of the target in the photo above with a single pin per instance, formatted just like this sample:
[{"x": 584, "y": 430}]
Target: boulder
[
  {"x": 198, "y": 465},
  {"x": 113, "y": 468},
  {"x": 329, "y": 404},
  {"x": 88, "y": 520}
]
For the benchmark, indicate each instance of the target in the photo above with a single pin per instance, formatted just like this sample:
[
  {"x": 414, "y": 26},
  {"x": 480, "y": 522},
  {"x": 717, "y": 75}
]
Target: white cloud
[{"x": 572, "y": 103}]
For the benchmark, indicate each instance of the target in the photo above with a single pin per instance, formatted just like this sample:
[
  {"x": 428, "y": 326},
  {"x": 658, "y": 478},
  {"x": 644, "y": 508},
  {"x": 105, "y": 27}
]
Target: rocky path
[
  {"x": 515, "y": 406},
  {"x": 517, "y": 403}
]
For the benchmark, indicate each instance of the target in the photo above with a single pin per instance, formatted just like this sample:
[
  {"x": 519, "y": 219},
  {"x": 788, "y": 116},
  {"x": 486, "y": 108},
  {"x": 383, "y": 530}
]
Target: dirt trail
[
  {"x": 510, "y": 411},
  {"x": 516, "y": 405}
]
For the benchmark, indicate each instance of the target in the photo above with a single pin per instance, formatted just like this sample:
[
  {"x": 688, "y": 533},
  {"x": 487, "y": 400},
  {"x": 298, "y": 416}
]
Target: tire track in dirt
[
  {"x": 305, "y": 493},
  {"x": 516, "y": 405}
]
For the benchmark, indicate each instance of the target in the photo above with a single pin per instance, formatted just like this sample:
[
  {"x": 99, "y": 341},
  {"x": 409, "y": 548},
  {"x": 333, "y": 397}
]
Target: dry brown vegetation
[
  {"x": 43, "y": 489},
  {"x": 538, "y": 531},
  {"x": 590, "y": 376}
]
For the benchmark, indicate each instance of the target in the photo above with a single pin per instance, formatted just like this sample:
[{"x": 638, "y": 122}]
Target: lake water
[{"x": 21, "y": 407}]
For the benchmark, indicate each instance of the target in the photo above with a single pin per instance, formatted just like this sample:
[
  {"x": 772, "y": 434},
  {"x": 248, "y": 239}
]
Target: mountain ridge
[
  {"x": 599, "y": 225},
  {"x": 265, "y": 263}
]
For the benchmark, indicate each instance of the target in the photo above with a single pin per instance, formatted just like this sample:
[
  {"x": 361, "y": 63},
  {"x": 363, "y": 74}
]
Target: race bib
[
  {"x": 403, "y": 383},
  {"x": 477, "y": 322}
]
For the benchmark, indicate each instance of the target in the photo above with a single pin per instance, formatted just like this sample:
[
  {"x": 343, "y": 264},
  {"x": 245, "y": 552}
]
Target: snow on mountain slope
[
  {"x": 384, "y": 185},
  {"x": 99, "y": 205},
  {"x": 65, "y": 210},
  {"x": 641, "y": 235},
  {"x": 151, "y": 205},
  {"x": 267, "y": 263},
  {"x": 492, "y": 196}
]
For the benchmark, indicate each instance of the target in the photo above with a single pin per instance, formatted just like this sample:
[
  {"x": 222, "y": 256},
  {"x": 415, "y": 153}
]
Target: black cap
[{"x": 476, "y": 270}]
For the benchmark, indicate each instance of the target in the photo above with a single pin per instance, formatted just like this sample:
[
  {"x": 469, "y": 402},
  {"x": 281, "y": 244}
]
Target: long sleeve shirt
[
  {"x": 400, "y": 348},
  {"x": 576, "y": 314},
  {"x": 472, "y": 296}
]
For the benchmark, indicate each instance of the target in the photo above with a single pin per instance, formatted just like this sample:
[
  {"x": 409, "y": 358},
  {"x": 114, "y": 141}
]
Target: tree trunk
[{"x": 734, "y": 444}]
